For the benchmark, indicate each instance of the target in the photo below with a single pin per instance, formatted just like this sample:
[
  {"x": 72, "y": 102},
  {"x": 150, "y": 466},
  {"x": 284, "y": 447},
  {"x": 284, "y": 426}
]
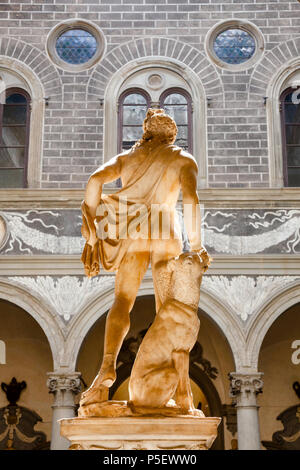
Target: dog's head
[{"x": 190, "y": 265}]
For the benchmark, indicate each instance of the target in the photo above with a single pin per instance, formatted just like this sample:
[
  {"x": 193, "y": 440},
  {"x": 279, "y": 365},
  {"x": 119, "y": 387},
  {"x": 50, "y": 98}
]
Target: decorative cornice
[
  {"x": 210, "y": 197},
  {"x": 58, "y": 265}
]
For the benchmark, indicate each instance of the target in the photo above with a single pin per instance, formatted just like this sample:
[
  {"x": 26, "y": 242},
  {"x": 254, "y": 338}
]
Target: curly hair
[{"x": 158, "y": 126}]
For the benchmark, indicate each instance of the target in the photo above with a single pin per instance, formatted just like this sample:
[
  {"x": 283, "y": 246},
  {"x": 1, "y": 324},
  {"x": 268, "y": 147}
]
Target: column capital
[
  {"x": 59, "y": 382},
  {"x": 245, "y": 384}
]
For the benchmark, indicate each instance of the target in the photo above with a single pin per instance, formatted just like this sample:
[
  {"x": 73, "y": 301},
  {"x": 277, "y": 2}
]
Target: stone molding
[
  {"x": 209, "y": 197},
  {"x": 154, "y": 47},
  {"x": 260, "y": 324},
  {"x": 41, "y": 312},
  {"x": 140, "y": 433},
  {"x": 66, "y": 265}
]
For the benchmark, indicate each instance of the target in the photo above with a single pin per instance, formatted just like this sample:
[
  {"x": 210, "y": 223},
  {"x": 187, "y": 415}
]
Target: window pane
[
  {"x": 182, "y": 136},
  {"x": 76, "y": 46},
  {"x": 234, "y": 46},
  {"x": 16, "y": 98},
  {"x": 11, "y": 178},
  {"x": 179, "y": 113},
  {"x": 293, "y": 134},
  {"x": 14, "y": 114},
  {"x": 12, "y": 157},
  {"x": 292, "y": 112},
  {"x": 13, "y": 136},
  {"x": 293, "y": 156},
  {"x": 135, "y": 98},
  {"x": 131, "y": 135},
  {"x": 294, "y": 177},
  {"x": 134, "y": 115},
  {"x": 175, "y": 98}
]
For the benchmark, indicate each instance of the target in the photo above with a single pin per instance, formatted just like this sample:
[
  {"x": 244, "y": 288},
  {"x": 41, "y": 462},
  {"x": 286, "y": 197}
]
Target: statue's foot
[
  {"x": 196, "y": 412},
  {"x": 95, "y": 394},
  {"x": 107, "y": 374}
]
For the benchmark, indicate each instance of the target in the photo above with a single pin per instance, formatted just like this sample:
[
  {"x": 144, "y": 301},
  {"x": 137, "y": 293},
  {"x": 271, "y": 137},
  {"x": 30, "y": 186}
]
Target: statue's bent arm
[
  {"x": 191, "y": 206},
  {"x": 107, "y": 173}
]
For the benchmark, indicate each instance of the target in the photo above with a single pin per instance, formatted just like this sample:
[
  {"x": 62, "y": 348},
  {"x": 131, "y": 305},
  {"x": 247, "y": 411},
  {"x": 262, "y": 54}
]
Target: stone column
[
  {"x": 64, "y": 387},
  {"x": 244, "y": 389}
]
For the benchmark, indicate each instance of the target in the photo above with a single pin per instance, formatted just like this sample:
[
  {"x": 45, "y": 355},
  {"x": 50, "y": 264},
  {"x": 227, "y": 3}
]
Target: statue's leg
[
  {"x": 183, "y": 395},
  {"x": 128, "y": 278},
  {"x": 155, "y": 389},
  {"x": 162, "y": 250}
]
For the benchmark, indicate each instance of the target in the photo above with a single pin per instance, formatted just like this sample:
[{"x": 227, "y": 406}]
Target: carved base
[{"x": 140, "y": 433}]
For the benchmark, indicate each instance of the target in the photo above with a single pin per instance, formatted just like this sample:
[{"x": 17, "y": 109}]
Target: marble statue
[{"x": 153, "y": 172}]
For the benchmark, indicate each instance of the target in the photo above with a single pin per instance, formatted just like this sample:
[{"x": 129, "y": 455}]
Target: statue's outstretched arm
[
  {"x": 107, "y": 173},
  {"x": 191, "y": 206}
]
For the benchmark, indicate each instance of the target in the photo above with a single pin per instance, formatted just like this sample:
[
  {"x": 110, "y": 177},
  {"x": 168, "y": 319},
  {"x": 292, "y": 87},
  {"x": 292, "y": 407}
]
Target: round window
[
  {"x": 234, "y": 44},
  {"x": 75, "y": 45}
]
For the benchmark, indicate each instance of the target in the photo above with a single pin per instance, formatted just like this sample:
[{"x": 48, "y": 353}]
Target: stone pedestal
[{"x": 140, "y": 433}]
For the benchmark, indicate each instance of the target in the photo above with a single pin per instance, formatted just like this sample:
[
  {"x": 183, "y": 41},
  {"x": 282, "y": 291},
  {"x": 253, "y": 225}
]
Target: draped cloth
[{"x": 140, "y": 191}]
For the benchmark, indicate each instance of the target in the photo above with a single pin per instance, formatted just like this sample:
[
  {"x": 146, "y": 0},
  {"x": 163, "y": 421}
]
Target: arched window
[
  {"x": 133, "y": 105},
  {"x": 290, "y": 121},
  {"x": 178, "y": 104},
  {"x": 14, "y": 131}
]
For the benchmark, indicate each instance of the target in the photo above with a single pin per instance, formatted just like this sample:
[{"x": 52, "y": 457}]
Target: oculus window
[
  {"x": 234, "y": 45},
  {"x": 75, "y": 45}
]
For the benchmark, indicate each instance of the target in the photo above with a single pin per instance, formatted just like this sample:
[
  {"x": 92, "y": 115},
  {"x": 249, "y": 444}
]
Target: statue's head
[{"x": 159, "y": 126}]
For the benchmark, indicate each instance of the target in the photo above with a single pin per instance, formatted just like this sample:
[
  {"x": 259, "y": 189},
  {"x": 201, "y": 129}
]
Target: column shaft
[
  {"x": 64, "y": 388},
  {"x": 244, "y": 389}
]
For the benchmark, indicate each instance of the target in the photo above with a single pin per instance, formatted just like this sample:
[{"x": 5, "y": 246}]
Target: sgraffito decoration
[
  {"x": 234, "y": 232},
  {"x": 17, "y": 422}
]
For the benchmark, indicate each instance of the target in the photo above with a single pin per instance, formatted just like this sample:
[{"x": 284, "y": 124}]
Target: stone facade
[
  {"x": 251, "y": 223},
  {"x": 236, "y": 117}
]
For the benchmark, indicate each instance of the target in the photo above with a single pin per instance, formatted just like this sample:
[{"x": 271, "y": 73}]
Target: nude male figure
[{"x": 153, "y": 171}]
